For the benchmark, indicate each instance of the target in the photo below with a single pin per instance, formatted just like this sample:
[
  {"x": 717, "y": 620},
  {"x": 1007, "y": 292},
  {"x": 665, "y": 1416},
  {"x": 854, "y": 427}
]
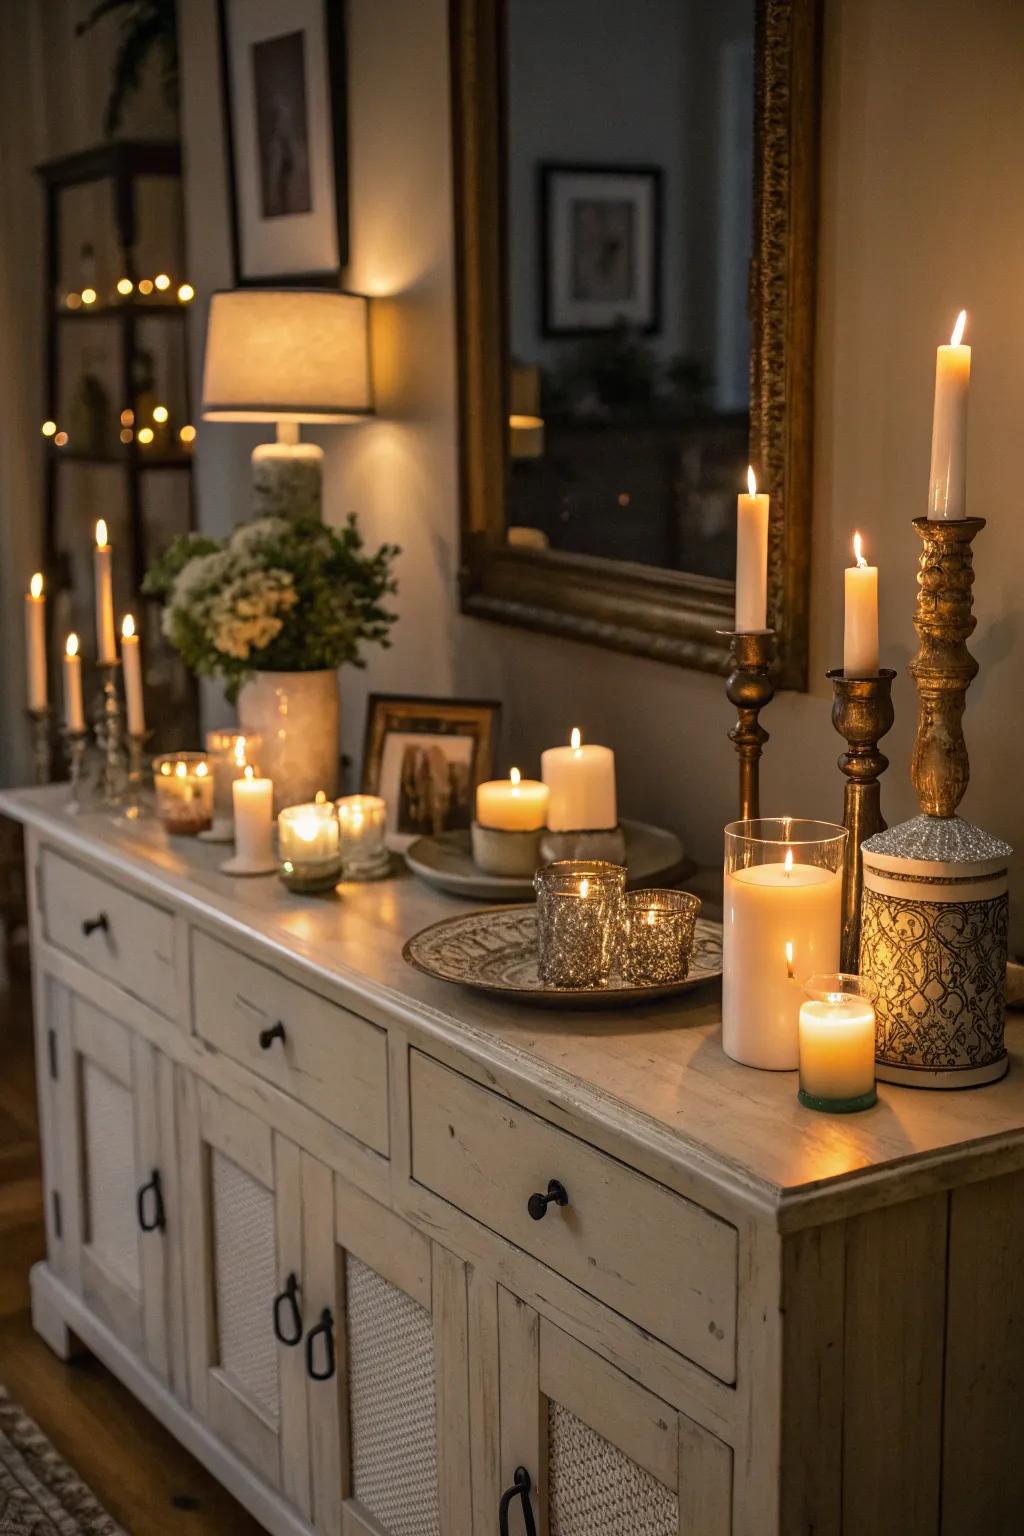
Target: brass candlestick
[
  {"x": 40, "y": 725},
  {"x": 749, "y": 686},
  {"x": 943, "y": 668},
  {"x": 862, "y": 712},
  {"x": 137, "y": 801}
]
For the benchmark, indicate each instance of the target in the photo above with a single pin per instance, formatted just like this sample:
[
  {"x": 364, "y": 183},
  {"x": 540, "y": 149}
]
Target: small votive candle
[
  {"x": 579, "y": 917},
  {"x": 309, "y": 846},
  {"x": 361, "y": 820},
  {"x": 658, "y": 933},
  {"x": 184, "y": 792},
  {"x": 230, "y": 753},
  {"x": 837, "y": 1044}
]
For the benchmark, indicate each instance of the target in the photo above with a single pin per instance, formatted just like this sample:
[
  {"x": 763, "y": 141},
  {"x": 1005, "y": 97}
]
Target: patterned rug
[{"x": 40, "y": 1495}]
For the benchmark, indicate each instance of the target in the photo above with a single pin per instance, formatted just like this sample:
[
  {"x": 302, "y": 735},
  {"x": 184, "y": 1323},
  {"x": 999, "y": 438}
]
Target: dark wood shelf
[
  {"x": 123, "y": 311},
  {"x": 143, "y": 458}
]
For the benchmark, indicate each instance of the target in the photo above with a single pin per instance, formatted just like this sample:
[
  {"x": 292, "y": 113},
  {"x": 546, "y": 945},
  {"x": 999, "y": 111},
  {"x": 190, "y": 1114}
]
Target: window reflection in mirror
[{"x": 629, "y": 175}]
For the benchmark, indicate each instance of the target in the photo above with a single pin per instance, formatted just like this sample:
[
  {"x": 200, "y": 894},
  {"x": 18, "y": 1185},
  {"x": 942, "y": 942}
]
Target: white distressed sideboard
[{"x": 287, "y": 1182}]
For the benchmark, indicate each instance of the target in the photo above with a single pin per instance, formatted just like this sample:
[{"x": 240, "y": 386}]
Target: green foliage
[{"x": 145, "y": 25}]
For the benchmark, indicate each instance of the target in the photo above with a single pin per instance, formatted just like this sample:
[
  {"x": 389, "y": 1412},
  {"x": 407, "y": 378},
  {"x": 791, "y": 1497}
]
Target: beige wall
[{"x": 922, "y": 212}]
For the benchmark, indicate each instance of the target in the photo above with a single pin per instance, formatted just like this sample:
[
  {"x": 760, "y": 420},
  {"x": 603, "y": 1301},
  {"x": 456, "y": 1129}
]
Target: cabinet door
[
  {"x": 244, "y": 1287},
  {"x": 390, "y": 1423},
  {"x": 118, "y": 1215},
  {"x": 602, "y": 1455}
]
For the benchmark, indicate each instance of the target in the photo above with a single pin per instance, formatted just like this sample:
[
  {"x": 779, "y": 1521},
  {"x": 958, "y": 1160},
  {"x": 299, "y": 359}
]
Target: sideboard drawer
[
  {"x": 653, "y": 1256},
  {"x": 122, "y": 937},
  {"x": 325, "y": 1056}
]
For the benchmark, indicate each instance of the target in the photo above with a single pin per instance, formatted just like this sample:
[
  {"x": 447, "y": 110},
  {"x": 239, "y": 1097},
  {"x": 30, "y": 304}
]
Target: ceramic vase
[{"x": 296, "y": 714}]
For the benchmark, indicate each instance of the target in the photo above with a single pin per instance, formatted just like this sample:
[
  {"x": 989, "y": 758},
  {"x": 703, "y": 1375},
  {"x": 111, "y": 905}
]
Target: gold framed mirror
[{"x": 600, "y": 457}]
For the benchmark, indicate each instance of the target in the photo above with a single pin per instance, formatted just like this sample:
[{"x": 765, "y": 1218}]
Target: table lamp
[{"x": 287, "y": 356}]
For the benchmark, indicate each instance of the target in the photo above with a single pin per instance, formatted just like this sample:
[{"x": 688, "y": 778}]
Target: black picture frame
[
  {"x": 336, "y": 138},
  {"x": 553, "y": 178}
]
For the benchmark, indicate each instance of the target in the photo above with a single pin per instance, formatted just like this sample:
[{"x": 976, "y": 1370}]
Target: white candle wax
[
  {"x": 514, "y": 804},
  {"x": 106, "y": 644},
  {"x": 581, "y": 786},
  {"x": 74, "y": 712},
  {"x": 860, "y": 633},
  {"x": 751, "y": 558},
  {"x": 768, "y": 907},
  {"x": 131, "y": 667},
  {"x": 35, "y": 642},
  {"x": 947, "y": 481},
  {"x": 253, "y": 803},
  {"x": 837, "y": 1048}
]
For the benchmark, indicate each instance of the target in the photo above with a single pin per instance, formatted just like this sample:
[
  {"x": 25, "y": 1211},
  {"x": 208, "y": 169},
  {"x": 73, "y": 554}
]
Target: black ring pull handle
[
  {"x": 325, "y": 1327},
  {"x": 100, "y": 924},
  {"x": 521, "y": 1486},
  {"x": 289, "y": 1297},
  {"x": 268, "y": 1036},
  {"x": 537, "y": 1205},
  {"x": 158, "y": 1220}
]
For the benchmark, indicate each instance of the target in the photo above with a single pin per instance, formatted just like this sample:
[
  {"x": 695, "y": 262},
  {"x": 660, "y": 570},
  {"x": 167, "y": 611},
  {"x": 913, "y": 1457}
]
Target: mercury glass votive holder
[
  {"x": 230, "y": 752},
  {"x": 309, "y": 846},
  {"x": 579, "y": 919},
  {"x": 362, "y": 822},
  {"x": 657, "y": 936},
  {"x": 183, "y": 785},
  {"x": 837, "y": 1043}
]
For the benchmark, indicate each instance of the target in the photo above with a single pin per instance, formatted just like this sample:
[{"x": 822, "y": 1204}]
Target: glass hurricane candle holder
[
  {"x": 229, "y": 752},
  {"x": 837, "y": 1043},
  {"x": 783, "y": 913},
  {"x": 579, "y": 919},
  {"x": 657, "y": 936},
  {"x": 309, "y": 846},
  {"x": 183, "y": 785},
  {"x": 362, "y": 820}
]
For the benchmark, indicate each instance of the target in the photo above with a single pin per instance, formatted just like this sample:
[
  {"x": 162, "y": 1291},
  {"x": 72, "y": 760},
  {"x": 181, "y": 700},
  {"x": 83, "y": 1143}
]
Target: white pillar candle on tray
[
  {"x": 782, "y": 901},
  {"x": 837, "y": 1044},
  {"x": 253, "y": 803},
  {"x": 514, "y": 804},
  {"x": 860, "y": 632},
  {"x": 35, "y": 642},
  {"x": 947, "y": 480},
  {"x": 751, "y": 558},
  {"x": 106, "y": 644},
  {"x": 581, "y": 786},
  {"x": 74, "y": 711},
  {"x": 131, "y": 665}
]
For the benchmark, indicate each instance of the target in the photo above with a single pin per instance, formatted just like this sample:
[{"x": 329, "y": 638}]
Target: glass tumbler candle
[
  {"x": 782, "y": 910},
  {"x": 184, "y": 792},
  {"x": 362, "y": 819},
  {"x": 837, "y": 1043},
  {"x": 579, "y": 920},
  {"x": 657, "y": 938},
  {"x": 230, "y": 752},
  {"x": 309, "y": 845}
]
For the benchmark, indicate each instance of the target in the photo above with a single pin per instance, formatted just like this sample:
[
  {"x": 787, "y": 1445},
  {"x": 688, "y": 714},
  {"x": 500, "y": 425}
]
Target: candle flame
[
  {"x": 35, "y": 586},
  {"x": 787, "y": 862},
  {"x": 127, "y": 627},
  {"x": 101, "y": 533},
  {"x": 584, "y": 886},
  {"x": 240, "y": 745},
  {"x": 575, "y": 738},
  {"x": 71, "y": 645},
  {"x": 180, "y": 770},
  {"x": 515, "y": 775},
  {"x": 858, "y": 551},
  {"x": 789, "y": 960},
  {"x": 201, "y": 770},
  {"x": 958, "y": 329},
  {"x": 248, "y": 771},
  {"x": 751, "y": 480},
  {"x": 652, "y": 918},
  {"x": 320, "y": 798}
]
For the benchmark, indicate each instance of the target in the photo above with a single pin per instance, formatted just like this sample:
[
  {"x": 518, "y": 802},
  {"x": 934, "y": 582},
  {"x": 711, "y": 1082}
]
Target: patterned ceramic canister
[{"x": 933, "y": 940}]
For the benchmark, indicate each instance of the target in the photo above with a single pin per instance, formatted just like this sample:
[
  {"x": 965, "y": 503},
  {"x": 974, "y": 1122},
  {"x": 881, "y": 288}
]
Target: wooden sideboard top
[{"x": 660, "y": 1070}]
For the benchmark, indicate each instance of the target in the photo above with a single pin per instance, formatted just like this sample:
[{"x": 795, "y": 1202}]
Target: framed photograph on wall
[
  {"x": 600, "y": 248},
  {"x": 425, "y": 757},
  {"x": 285, "y": 99}
]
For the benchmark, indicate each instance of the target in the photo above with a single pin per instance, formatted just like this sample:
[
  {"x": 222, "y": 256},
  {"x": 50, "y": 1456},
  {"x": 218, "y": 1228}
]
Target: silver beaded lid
[{"x": 937, "y": 840}]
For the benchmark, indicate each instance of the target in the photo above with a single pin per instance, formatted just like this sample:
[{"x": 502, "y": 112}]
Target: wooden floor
[{"x": 134, "y": 1467}]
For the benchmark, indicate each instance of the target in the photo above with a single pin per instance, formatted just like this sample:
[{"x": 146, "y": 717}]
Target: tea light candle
[
  {"x": 579, "y": 916},
  {"x": 253, "y": 804},
  {"x": 581, "y": 786},
  {"x": 35, "y": 642},
  {"x": 103, "y": 573},
  {"x": 184, "y": 793},
  {"x": 658, "y": 936},
  {"x": 947, "y": 480},
  {"x": 514, "y": 804},
  {"x": 860, "y": 635},
  {"x": 362, "y": 823},
  {"x": 837, "y": 1046},
  {"x": 74, "y": 710},
  {"x": 751, "y": 558},
  {"x": 131, "y": 665},
  {"x": 308, "y": 843}
]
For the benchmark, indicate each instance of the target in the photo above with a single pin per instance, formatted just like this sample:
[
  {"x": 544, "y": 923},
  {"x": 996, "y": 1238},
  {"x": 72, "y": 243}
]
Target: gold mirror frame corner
[{"x": 669, "y": 616}]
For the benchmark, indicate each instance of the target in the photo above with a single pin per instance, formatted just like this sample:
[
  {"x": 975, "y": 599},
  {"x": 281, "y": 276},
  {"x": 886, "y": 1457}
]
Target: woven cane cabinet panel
[
  {"x": 108, "y": 1124},
  {"x": 594, "y": 1490},
  {"x": 245, "y": 1270}
]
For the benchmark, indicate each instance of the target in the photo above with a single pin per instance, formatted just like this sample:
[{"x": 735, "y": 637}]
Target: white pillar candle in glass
[
  {"x": 782, "y": 909},
  {"x": 581, "y": 786},
  {"x": 131, "y": 666},
  {"x": 514, "y": 804},
  {"x": 74, "y": 710},
  {"x": 253, "y": 803},
  {"x": 308, "y": 845},
  {"x": 362, "y": 822},
  {"x": 35, "y": 642},
  {"x": 860, "y": 632},
  {"x": 947, "y": 480},
  {"x": 837, "y": 1044},
  {"x": 106, "y": 644},
  {"x": 751, "y": 558}
]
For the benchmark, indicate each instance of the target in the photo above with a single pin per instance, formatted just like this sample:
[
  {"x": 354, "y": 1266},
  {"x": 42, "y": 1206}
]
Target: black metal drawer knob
[
  {"x": 537, "y": 1205},
  {"x": 325, "y": 1330},
  {"x": 268, "y": 1036},
  {"x": 100, "y": 924},
  {"x": 286, "y": 1305},
  {"x": 521, "y": 1486},
  {"x": 149, "y": 1205}
]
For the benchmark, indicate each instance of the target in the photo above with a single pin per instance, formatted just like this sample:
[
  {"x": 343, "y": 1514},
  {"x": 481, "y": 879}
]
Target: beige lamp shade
[{"x": 287, "y": 355}]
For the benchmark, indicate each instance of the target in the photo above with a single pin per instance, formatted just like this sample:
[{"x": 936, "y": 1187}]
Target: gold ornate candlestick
[
  {"x": 749, "y": 686},
  {"x": 862, "y": 712}
]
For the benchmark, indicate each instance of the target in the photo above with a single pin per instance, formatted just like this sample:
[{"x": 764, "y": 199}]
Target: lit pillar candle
[
  {"x": 751, "y": 558},
  {"x": 947, "y": 483},
  {"x": 837, "y": 1048},
  {"x": 106, "y": 644},
  {"x": 514, "y": 804},
  {"x": 74, "y": 713},
  {"x": 35, "y": 642},
  {"x": 581, "y": 787},
  {"x": 131, "y": 663},
  {"x": 860, "y": 633},
  {"x": 253, "y": 802}
]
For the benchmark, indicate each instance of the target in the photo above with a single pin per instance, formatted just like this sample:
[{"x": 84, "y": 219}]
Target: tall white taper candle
[
  {"x": 751, "y": 558},
  {"x": 947, "y": 482},
  {"x": 35, "y": 642}
]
